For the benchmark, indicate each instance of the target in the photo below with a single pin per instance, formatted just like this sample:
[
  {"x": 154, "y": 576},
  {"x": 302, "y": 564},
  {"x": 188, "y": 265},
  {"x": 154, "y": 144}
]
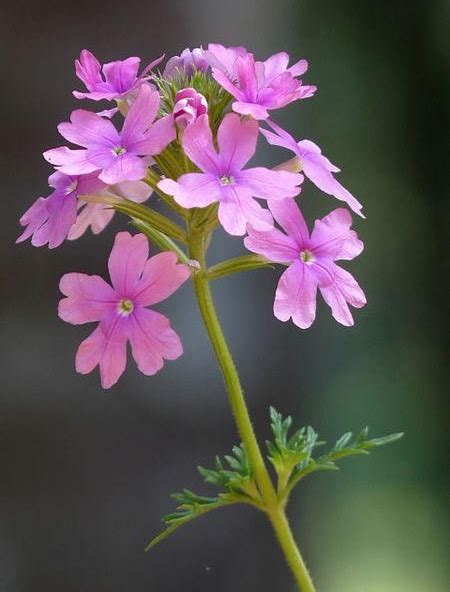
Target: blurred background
[{"x": 85, "y": 475}]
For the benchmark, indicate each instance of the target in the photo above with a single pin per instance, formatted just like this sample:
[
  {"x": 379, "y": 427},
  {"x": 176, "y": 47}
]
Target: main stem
[{"x": 273, "y": 508}]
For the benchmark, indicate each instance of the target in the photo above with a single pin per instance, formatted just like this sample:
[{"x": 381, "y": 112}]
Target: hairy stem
[{"x": 271, "y": 503}]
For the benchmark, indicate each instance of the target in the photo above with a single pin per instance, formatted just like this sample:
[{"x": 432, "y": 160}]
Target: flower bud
[
  {"x": 189, "y": 105},
  {"x": 189, "y": 62}
]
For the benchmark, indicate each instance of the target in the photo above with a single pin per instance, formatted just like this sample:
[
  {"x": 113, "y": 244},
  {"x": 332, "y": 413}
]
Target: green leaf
[
  {"x": 161, "y": 240},
  {"x": 150, "y": 217}
]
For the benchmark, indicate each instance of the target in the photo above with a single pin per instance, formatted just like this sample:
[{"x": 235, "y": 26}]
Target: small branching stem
[{"x": 272, "y": 506}]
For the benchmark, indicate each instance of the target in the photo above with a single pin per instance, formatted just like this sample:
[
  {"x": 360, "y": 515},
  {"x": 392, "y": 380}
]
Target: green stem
[{"x": 272, "y": 506}]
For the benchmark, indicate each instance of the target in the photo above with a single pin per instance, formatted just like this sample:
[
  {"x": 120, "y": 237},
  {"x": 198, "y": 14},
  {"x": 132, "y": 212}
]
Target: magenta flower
[
  {"x": 137, "y": 282},
  {"x": 313, "y": 164},
  {"x": 262, "y": 86},
  {"x": 311, "y": 263},
  {"x": 189, "y": 62},
  {"x": 222, "y": 178},
  {"x": 49, "y": 219},
  {"x": 97, "y": 216},
  {"x": 114, "y": 80},
  {"x": 116, "y": 156},
  {"x": 189, "y": 104}
]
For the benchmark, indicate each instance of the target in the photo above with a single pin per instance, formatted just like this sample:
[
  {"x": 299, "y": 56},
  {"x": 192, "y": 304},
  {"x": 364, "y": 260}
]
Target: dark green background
[{"x": 85, "y": 475}]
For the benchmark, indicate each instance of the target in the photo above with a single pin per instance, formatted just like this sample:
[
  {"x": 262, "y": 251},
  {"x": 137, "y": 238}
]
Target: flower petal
[
  {"x": 289, "y": 216},
  {"x": 237, "y": 209},
  {"x": 162, "y": 276},
  {"x": 198, "y": 144},
  {"x": 70, "y": 162},
  {"x": 296, "y": 296},
  {"x": 86, "y": 128},
  {"x": 140, "y": 115},
  {"x": 192, "y": 190},
  {"x": 270, "y": 184},
  {"x": 342, "y": 292},
  {"x": 272, "y": 244},
  {"x": 125, "y": 167},
  {"x": 332, "y": 238},
  {"x": 126, "y": 261},
  {"x": 88, "y": 298},
  {"x": 237, "y": 142}
]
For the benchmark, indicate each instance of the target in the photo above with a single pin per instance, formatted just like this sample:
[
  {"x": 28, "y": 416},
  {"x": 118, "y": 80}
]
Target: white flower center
[
  {"x": 125, "y": 307},
  {"x": 307, "y": 257},
  {"x": 118, "y": 150},
  {"x": 226, "y": 180}
]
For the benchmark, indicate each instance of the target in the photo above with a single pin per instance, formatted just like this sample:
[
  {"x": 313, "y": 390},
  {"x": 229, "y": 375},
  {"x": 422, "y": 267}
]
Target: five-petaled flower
[
  {"x": 311, "y": 263},
  {"x": 259, "y": 87},
  {"x": 223, "y": 179},
  {"x": 315, "y": 166},
  {"x": 137, "y": 282},
  {"x": 116, "y": 156}
]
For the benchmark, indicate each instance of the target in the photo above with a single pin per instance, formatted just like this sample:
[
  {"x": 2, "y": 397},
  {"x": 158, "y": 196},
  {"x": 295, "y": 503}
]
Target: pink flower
[
  {"x": 98, "y": 215},
  {"x": 222, "y": 178},
  {"x": 115, "y": 155},
  {"x": 114, "y": 80},
  {"x": 313, "y": 164},
  {"x": 310, "y": 263},
  {"x": 224, "y": 58},
  {"x": 50, "y": 219},
  {"x": 189, "y": 104},
  {"x": 261, "y": 86},
  {"x": 189, "y": 62},
  {"x": 137, "y": 282}
]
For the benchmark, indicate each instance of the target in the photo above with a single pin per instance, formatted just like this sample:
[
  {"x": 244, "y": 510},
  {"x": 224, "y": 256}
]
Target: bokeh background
[{"x": 85, "y": 476}]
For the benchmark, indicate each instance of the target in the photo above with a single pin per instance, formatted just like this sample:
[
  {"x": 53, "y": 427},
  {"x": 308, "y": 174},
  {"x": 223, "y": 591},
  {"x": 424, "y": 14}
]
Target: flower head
[
  {"x": 189, "y": 104},
  {"x": 259, "y": 87},
  {"x": 50, "y": 219},
  {"x": 121, "y": 310},
  {"x": 310, "y": 261},
  {"x": 223, "y": 179},
  {"x": 114, "y": 80},
  {"x": 116, "y": 156},
  {"x": 316, "y": 167},
  {"x": 189, "y": 62}
]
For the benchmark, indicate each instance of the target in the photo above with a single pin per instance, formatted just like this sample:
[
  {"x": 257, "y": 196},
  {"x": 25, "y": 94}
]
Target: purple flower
[
  {"x": 115, "y": 155},
  {"x": 262, "y": 86},
  {"x": 222, "y": 178},
  {"x": 189, "y": 62},
  {"x": 311, "y": 263},
  {"x": 114, "y": 80},
  {"x": 189, "y": 104},
  {"x": 97, "y": 216},
  {"x": 137, "y": 282},
  {"x": 50, "y": 219},
  {"x": 313, "y": 164},
  {"x": 224, "y": 58}
]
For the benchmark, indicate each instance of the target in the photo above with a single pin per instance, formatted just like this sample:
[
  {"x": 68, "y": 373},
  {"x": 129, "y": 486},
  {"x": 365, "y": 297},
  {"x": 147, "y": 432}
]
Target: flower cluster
[{"x": 187, "y": 135}]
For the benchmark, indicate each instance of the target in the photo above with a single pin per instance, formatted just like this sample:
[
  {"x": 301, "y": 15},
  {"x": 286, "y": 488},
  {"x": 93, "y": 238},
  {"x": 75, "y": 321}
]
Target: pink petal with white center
[
  {"x": 237, "y": 209},
  {"x": 331, "y": 236},
  {"x": 295, "y": 296},
  {"x": 140, "y": 115},
  {"x": 272, "y": 244},
  {"x": 87, "y": 128},
  {"x": 253, "y": 109},
  {"x": 126, "y": 261},
  {"x": 70, "y": 162},
  {"x": 289, "y": 216},
  {"x": 199, "y": 146},
  {"x": 237, "y": 141},
  {"x": 106, "y": 346},
  {"x": 89, "y": 298},
  {"x": 192, "y": 190},
  {"x": 344, "y": 291},
  {"x": 269, "y": 184},
  {"x": 152, "y": 340},
  {"x": 162, "y": 276},
  {"x": 125, "y": 167}
]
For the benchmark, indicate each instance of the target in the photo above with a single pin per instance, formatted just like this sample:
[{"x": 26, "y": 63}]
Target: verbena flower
[
  {"x": 223, "y": 179},
  {"x": 116, "y": 156},
  {"x": 137, "y": 282},
  {"x": 113, "y": 80},
  {"x": 310, "y": 261},
  {"x": 49, "y": 219},
  {"x": 316, "y": 167},
  {"x": 259, "y": 87},
  {"x": 189, "y": 104},
  {"x": 187, "y": 63}
]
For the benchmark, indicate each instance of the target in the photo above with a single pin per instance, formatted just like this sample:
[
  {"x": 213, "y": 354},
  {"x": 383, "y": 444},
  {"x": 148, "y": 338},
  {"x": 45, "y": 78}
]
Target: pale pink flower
[
  {"x": 315, "y": 166},
  {"x": 310, "y": 262},
  {"x": 259, "y": 87},
  {"x": 116, "y": 156},
  {"x": 223, "y": 179},
  {"x": 137, "y": 282},
  {"x": 189, "y": 105},
  {"x": 114, "y": 80},
  {"x": 97, "y": 216}
]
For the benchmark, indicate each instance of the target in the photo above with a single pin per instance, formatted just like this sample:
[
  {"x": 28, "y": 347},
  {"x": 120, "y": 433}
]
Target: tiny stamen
[
  {"x": 307, "y": 257},
  {"x": 118, "y": 151},
  {"x": 125, "y": 307},
  {"x": 227, "y": 180}
]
